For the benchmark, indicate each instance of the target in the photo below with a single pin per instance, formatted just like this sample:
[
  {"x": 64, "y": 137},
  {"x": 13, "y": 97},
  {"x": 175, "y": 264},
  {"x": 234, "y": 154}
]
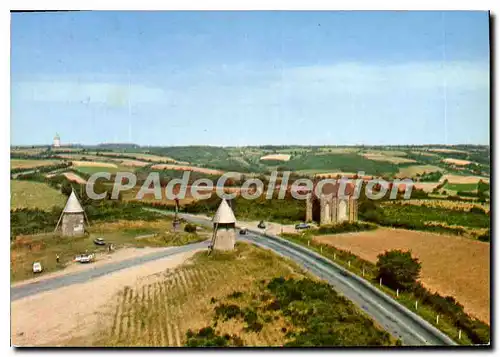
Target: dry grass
[
  {"x": 426, "y": 186},
  {"x": 448, "y": 151},
  {"x": 451, "y": 265},
  {"x": 455, "y": 205},
  {"x": 279, "y": 157},
  {"x": 94, "y": 164},
  {"x": 159, "y": 311},
  {"x": 66, "y": 316},
  {"x": 464, "y": 179},
  {"x": 412, "y": 171},
  {"x": 28, "y": 164},
  {"x": 424, "y": 153},
  {"x": 29, "y": 194},
  {"x": 457, "y": 162},
  {"x": 187, "y": 168},
  {"x": 146, "y": 157},
  {"x": 74, "y": 177},
  {"x": 28, "y": 151},
  {"x": 387, "y": 158}
]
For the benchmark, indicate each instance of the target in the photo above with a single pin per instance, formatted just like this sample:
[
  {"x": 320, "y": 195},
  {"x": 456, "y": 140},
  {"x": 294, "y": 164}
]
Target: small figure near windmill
[
  {"x": 73, "y": 217},
  {"x": 224, "y": 235}
]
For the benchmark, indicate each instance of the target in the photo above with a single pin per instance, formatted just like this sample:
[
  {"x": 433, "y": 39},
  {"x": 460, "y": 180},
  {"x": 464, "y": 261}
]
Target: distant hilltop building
[{"x": 57, "y": 141}]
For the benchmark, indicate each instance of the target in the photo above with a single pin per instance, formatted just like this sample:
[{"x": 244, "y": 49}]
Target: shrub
[
  {"x": 486, "y": 237},
  {"x": 190, "y": 228},
  {"x": 227, "y": 312},
  {"x": 398, "y": 269},
  {"x": 322, "y": 316},
  {"x": 477, "y": 210},
  {"x": 344, "y": 227},
  {"x": 208, "y": 337}
]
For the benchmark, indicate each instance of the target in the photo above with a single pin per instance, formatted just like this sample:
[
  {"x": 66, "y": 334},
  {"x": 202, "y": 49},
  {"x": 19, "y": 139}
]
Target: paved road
[
  {"x": 393, "y": 317},
  {"x": 396, "y": 322},
  {"x": 86, "y": 275}
]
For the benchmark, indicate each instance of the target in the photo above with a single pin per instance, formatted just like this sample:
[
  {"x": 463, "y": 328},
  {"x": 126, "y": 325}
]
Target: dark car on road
[
  {"x": 243, "y": 231},
  {"x": 302, "y": 226}
]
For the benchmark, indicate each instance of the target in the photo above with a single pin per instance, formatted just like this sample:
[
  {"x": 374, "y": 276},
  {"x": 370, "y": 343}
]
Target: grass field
[
  {"x": 161, "y": 311},
  {"x": 388, "y": 158},
  {"x": 27, "y": 164},
  {"x": 44, "y": 247},
  {"x": 339, "y": 162},
  {"x": 451, "y": 265},
  {"x": 141, "y": 156},
  {"x": 464, "y": 179},
  {"x": 412, "y": 171},
  {"x": 409, "y": 213},
  {"x": 467, "y": 187},
  {"x": 90, "y": 169},
  {"x": 29, "y": 194},
  {"x": 448, "y": 204}
]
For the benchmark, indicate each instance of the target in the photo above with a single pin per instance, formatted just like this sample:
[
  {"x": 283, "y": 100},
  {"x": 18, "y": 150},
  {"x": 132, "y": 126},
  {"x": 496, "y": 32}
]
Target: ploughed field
[{"x": 451, "y": 265}]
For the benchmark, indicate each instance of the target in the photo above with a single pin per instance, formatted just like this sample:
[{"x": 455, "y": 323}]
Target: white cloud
[{"x": 361, "y": 78}]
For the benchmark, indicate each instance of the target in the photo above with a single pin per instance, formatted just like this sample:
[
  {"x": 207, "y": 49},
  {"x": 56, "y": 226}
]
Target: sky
[{"x": 250, "y": 78}]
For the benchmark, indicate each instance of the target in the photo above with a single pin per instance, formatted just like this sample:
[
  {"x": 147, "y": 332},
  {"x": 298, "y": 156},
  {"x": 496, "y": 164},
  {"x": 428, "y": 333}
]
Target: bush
[
  {"x": 344, "y": 227},
  {"x": 208, "y": 337},
  {"x": 190, "y": 228},
  {"x": 323, "y": 318},
  {"x": 398, "y": 269},
  {"x": 485, "y": 237},
  {"x": 477, "y": 210}
]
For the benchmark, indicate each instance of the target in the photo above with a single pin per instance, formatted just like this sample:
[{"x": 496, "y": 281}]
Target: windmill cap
[
  {"x": 73, "y": 205},
  {"x": 224, "y": 214}
]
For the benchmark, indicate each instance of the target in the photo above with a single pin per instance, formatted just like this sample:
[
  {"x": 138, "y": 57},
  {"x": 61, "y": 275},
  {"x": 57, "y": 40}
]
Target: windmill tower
[
  {"x": 224, "y": 236},
  {"x": 72, "y": 218},
  {"x": 57, "y": 141}
]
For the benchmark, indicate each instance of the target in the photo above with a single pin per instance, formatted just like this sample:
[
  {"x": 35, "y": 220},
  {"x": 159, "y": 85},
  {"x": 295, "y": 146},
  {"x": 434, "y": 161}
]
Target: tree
[
  {"x": 66, "y": 188},
  {"x": 398, "y": 269}
]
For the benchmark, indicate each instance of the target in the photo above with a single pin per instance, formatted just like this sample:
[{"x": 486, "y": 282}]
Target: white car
[
  {"x": 37, "y": 267},
  {"x": 86, "y": 258}
]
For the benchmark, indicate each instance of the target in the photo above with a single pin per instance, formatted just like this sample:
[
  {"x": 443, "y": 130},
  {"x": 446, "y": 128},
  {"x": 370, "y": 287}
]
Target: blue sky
[{"x": 250, "y": 78}]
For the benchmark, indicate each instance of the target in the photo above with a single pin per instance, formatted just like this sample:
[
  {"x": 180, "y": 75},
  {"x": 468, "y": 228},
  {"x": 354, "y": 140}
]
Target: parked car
[
  {"x": 261, "y": 225},
  {"x": 302, "y": 226},
  {"x": 243, "y": 231},
  {"x": 99, "y": 241},
  {"x": 86, "y": 258},
  {"x": 37, "y": 267}
]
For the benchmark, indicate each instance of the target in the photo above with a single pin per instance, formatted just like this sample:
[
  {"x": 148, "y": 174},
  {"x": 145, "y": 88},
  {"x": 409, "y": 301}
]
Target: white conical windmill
[
  {"x": 224, "y": 236},
  {"x": 72, "y": 217}
]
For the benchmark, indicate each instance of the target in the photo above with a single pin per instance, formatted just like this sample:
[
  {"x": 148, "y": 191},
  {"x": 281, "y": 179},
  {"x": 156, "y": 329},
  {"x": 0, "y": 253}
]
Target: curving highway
[{"x": 388, "y": 313}]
